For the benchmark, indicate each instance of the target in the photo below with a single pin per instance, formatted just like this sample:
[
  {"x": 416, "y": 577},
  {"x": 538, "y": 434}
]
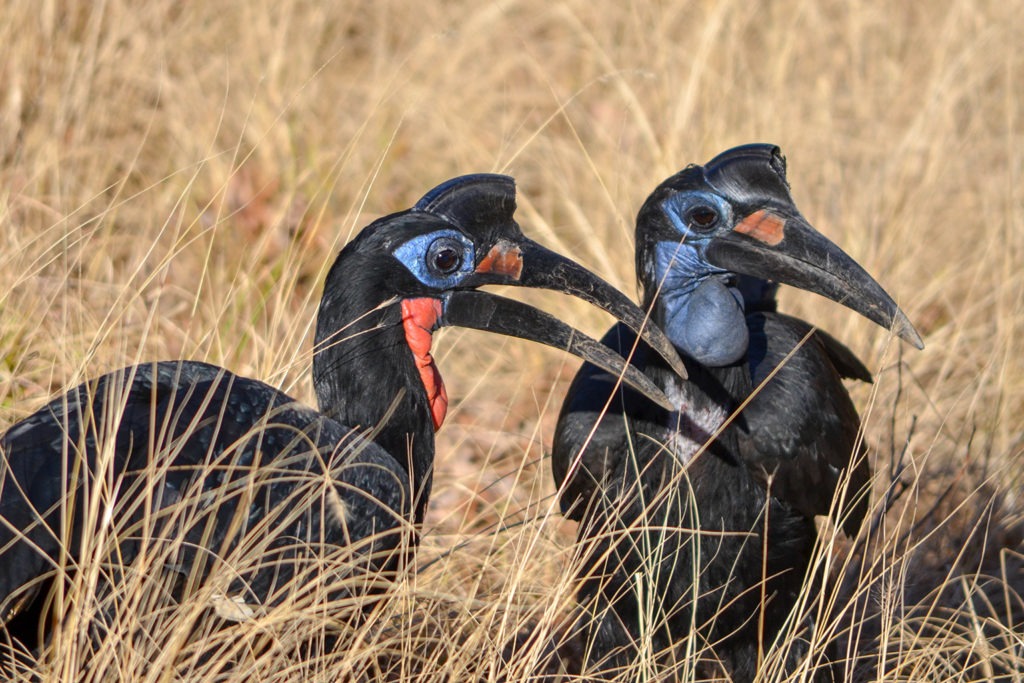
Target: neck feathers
[{"x": 365, "y": 377}]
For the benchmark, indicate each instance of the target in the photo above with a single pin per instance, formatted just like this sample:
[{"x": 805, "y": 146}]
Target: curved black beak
[
  {"x": 781, "y": 245},
  {"x": 525, "y": 263},
  {"x": 485, "y": 311},
  {"x": 483, "y": 206}
]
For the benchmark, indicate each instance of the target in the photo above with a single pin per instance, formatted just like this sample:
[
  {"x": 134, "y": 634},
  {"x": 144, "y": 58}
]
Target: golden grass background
[{"x": 175, "y": 179}]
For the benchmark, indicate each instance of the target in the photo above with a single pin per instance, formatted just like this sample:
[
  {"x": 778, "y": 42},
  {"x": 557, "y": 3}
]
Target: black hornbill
[
  {"x": 725, "y": 486},
  {"x": 228, "y": 485}
]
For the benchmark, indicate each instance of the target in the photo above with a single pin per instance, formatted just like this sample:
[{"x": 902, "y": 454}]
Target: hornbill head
[
  {"x": 707, "y": 225},
  {"x": 430, "y": 260}
]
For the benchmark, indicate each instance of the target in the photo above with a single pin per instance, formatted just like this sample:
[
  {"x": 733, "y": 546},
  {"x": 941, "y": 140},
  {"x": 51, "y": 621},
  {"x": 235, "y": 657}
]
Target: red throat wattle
[{"x": 419, "y": 316}]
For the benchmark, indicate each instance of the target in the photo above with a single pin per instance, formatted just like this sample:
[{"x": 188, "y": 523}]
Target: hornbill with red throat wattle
[
  {"x": 232, "y": 487},
  {"x": 699, "y": 521}
]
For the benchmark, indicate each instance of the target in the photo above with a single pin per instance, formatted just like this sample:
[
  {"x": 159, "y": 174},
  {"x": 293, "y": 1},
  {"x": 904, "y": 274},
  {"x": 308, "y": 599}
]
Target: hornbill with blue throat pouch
[
  {"x": 232, "y": 487},
  {"x": 698, "y": 521}
]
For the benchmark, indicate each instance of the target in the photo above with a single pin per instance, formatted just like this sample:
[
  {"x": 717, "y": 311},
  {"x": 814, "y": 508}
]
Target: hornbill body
[
  {"x": 232, "y": 487},
  {"x": 699, "y": 520}
]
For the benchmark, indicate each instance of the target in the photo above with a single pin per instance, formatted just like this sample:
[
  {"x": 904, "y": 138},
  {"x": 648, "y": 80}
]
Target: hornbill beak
[
  {"x": 525, "y": 263},
  {"x": 522, "y": 262},
  {"x": 483, "y": 205},
  {"x": 493, "y": 313},
  {"x": 771, "y": 240},
  {"x": 782, "y": 246}
]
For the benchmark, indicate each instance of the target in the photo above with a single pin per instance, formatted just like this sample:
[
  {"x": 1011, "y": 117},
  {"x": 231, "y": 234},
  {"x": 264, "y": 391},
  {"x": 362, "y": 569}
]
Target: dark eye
[
  {"x": 444, "y": 256},
  {"x": 702, "y": 217}
]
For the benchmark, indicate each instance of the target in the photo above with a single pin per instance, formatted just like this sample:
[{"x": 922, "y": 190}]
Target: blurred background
[{"x": 176, "y": 178}]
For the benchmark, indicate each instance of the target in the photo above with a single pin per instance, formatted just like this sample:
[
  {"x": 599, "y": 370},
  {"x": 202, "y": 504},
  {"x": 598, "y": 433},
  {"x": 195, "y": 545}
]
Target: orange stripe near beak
[
  {"x": 763, "y": 226},
  {"x": 504, "y": 258}
]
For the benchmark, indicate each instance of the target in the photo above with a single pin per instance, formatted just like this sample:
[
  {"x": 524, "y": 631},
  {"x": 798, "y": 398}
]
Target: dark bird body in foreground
[
  {"x": 725, "y": 486},
  {"x": 249, "y": 498}
]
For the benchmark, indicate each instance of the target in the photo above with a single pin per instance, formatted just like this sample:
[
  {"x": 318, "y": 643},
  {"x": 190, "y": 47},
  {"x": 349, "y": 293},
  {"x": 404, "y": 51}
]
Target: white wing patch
[{"x": 692, "y": 427}]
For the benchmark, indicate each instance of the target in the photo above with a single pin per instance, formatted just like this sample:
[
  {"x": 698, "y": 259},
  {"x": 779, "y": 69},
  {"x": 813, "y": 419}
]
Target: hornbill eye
[
  {"x": 444, "y": 256},
  {"x": 439, "y": 259},
  {"x": 702, "y": 217}
]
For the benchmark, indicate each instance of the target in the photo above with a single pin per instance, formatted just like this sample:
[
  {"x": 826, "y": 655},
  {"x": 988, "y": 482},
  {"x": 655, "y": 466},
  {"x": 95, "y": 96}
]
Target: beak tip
[
  {"x": 664, "y": 401},
  {"x": 905, "y": 330},
  {"x": 678, "y": 366},
  {"x": 910, "y": 335}
]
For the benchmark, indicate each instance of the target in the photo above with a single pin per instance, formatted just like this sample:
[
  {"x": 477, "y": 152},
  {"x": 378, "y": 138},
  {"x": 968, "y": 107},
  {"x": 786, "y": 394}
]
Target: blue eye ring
[
  {"x": 696, "y": 214},
  {"x": 439, "y": 259}
]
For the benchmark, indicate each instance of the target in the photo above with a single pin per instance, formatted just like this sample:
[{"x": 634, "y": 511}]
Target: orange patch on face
[
  {"x": 503, "y": 258},
  {"x": 763, "y": 226},
  {"x": 419, "y": 317}
]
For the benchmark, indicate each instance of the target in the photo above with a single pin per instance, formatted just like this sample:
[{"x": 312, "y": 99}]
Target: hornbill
[
  {"x": 699, "y": 520},
  {"x": 228, "y": 485}
]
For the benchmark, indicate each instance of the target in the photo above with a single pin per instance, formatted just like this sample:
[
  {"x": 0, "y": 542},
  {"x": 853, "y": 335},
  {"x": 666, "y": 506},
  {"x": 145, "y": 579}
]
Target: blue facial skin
[
  {"x": 704, "y": 314},
  {"x": 415, "y": 256}
]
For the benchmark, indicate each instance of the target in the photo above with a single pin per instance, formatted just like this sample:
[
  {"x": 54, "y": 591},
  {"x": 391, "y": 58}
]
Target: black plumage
[
  {"x": 230, "y": 486},
  {"x": 724, "y": 487}
]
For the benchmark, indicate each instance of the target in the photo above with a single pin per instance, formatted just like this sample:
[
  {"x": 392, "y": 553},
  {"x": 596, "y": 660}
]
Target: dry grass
[{"x": 176, "y": 177}]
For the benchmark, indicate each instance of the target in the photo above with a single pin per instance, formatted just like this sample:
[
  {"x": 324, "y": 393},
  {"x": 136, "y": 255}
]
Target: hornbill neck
[
  {"x": 704, "y": 403},
  {"x": 365, "y": 376},
  {"x": 713, "y": 390},
  {"x": 706, "y": 323}
]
